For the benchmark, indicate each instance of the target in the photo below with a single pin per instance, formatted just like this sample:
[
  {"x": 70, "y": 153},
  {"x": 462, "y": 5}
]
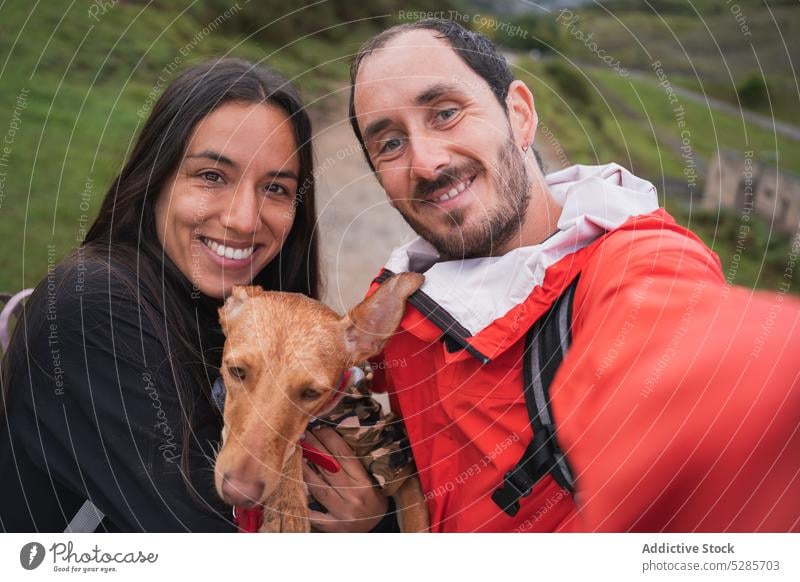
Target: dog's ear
[
  {"x": 233, "y": 306},
  {"x": 370, "y": 323}
]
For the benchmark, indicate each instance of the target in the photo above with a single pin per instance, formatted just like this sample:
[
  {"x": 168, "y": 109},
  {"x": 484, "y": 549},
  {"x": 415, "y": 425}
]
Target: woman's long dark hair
[{"x": 124, "y": 234}]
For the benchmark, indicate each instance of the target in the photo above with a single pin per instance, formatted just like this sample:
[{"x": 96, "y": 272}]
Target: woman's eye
[
  {"x": 212, "y": 177},
  {"x": 277, "y": 189},
  {"x": 310, "y": 394},
  {"x": 238, "y": 373}
]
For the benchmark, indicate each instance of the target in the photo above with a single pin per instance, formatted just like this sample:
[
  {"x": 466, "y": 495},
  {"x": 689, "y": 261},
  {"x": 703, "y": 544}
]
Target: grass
[
  {"x": 85, "y": 82},
  {"x": 602, "y": 130},
  {"x": 704, "y": 50},
  {"x": 709, "y": 129},
  {"x": 781, "y": 106}
]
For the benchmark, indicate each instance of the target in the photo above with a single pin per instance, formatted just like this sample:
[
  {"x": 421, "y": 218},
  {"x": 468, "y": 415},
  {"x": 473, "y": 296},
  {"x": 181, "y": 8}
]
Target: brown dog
[{"x": 283, "y": 358}]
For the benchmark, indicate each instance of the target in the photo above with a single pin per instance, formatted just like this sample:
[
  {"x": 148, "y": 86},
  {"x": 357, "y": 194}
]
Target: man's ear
[
  {"x": 233, "y": 306},
  {"x": 370, "y": 323},
  {"x": 521, "y": 113}
]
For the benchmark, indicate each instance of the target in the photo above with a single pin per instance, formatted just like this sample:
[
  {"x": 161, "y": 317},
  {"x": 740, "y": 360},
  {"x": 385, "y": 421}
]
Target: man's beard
[{"x": 485, "y": 236}]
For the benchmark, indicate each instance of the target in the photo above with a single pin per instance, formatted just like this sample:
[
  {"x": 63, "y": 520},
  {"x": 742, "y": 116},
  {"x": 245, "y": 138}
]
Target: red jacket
[{"x": 677, "y": 405}]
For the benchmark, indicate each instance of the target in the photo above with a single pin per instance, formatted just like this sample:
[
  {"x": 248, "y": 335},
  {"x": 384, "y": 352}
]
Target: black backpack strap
[
  {"x": 546, "y": 344},
  {"x": 455, "y": 335}
]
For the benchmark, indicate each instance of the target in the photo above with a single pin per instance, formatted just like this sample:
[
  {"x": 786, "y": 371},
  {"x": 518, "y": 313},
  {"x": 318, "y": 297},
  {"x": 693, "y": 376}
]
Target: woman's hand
[{"x": 353, "y": 502}]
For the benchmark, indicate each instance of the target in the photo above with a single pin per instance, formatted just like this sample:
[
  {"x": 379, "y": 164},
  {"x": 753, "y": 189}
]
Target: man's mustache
[{"x": 448, "y": 177}]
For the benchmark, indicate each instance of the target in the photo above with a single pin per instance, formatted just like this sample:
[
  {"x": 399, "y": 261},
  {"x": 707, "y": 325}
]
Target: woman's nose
[{"x": 242, "y": 212}]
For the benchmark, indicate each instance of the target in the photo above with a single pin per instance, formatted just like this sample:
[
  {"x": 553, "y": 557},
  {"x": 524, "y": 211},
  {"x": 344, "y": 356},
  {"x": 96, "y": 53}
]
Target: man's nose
[
  {"x": 242, "y": 211},
  {"x": 429, "y": 156}
]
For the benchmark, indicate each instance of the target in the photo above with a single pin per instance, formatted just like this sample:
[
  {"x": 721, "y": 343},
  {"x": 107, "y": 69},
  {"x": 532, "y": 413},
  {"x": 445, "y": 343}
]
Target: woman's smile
[
  {"x": 230, "y": 254},
  {"x": 229, "y": 249}
]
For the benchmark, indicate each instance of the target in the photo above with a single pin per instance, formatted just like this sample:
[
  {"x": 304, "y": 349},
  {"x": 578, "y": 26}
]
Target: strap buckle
[{"x": 516, "y": 485}]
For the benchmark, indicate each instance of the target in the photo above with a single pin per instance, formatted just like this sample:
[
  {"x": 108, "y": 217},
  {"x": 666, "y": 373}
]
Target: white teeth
[
  {"x": 447, "y": 196},
  {"x": 454, "y": 191},
  {"x": 228, "y": 252}
]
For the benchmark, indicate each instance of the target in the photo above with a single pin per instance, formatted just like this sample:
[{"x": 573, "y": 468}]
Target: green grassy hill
[{"x": 714, "y": 47}]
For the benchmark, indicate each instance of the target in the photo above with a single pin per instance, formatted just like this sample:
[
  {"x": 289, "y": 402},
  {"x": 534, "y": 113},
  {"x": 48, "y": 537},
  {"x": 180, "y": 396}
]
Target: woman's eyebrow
[
  {"x": 218, "y": 157},
  {"x": 214, "y": 156},
  {"x": 283, "y": 174}
]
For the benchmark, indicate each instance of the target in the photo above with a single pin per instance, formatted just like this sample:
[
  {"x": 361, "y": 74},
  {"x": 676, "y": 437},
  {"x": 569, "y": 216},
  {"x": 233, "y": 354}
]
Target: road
[{"x": 357, "y": 227}]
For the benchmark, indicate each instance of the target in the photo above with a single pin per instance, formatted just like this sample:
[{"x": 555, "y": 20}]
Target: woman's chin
[
  {"x": 219, "y": 289},
  {"x": 217, "y": 281}
]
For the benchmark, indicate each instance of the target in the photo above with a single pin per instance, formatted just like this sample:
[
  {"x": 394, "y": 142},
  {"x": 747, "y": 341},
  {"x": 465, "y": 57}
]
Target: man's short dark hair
[{"x": 477, "y": 51}]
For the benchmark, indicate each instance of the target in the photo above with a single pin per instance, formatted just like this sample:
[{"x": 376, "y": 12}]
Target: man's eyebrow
[
  {"x": 214, "y": 156},
  {"x": 434, "y": 92},
  {"x": 376, "y": 127}
]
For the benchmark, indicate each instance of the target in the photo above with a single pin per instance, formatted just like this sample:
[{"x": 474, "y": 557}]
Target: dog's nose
[{"x": 241, "y": 493}]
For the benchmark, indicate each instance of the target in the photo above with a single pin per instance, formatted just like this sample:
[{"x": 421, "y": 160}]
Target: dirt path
[{"x": 358, "y": 228}]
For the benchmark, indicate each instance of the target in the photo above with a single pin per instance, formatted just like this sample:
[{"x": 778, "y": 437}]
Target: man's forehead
[{"x": 409, "y": 63}]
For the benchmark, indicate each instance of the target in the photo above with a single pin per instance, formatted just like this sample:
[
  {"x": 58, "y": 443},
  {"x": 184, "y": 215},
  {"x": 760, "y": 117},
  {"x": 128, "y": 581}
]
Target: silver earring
[{"x": 524, "y": 148}]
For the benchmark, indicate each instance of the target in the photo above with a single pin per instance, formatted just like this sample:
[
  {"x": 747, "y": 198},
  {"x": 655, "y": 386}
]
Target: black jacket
[{"x": 93, "y": 413}]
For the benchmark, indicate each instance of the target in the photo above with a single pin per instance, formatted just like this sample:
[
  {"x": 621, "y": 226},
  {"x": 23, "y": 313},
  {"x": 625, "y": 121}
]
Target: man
[{"x": 676, "y": 405}]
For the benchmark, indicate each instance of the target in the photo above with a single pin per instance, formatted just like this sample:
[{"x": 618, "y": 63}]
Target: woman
[{"x": 107, "y": 382}]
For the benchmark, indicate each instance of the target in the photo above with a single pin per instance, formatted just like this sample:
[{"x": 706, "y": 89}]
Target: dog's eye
[
  {"x": 237, "y": 373},
  {"x": 310, "y": 394}
]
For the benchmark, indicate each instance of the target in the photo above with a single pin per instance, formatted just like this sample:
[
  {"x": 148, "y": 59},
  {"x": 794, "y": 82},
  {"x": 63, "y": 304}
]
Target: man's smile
[{"x": 450, "y": 195}]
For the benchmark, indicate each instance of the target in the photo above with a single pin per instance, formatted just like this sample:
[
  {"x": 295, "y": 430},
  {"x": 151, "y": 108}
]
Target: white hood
[{"x": 594, "y": 199}]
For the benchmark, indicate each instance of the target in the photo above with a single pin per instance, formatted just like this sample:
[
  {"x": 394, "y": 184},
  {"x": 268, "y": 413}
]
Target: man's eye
[
  {"x": 391, "y": 144},
  {"x": 447, "y": 114},
  {"x": 236, "y": 372}
]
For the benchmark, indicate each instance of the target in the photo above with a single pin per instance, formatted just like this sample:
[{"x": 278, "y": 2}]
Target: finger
[
  {"x": 322, "y": 521},
  {"x": 314, "y": 441},
  {"x": 333, "y": 442},
  {"x": 314, "y": 477},
  {"x": 351, "y": 465},
  {"x": 318, "y": 486}
]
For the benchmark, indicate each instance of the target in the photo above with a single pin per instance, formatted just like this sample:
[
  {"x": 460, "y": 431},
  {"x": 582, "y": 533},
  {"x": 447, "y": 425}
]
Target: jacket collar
[{"x": 476, "y": 292}]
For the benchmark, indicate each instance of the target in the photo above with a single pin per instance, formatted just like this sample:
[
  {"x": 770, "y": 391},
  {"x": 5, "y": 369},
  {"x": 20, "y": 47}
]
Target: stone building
[{"x": 741, "y": 182}]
